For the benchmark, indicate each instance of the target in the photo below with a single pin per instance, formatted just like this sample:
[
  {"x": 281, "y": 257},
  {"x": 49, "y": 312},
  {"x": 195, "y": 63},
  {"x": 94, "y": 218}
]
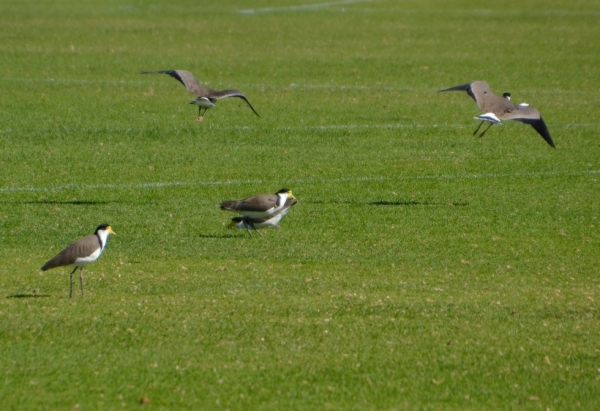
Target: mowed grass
[{"x": 422, "y": 268}]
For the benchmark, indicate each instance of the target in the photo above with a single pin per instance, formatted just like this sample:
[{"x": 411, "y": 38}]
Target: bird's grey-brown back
[
  {"x": 259, "y": 203},
  {"x": 83, "y": 247}
]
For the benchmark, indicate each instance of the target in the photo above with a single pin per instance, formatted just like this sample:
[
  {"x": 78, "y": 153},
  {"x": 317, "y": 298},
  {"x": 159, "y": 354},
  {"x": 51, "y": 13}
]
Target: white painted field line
[
  {"x": 357, "y": 87},
  {"x": 342, "y": 127},
  {"x": 474, "y": 12},
  {"x": 69, "y": 81},
  {"x": 378, "y": 126},
  {"x": 298, "y": 128},
  {"x": 297, "y": 181},
  {"x": 309, "y": 6},
  {"x": 309, "y": 86}
]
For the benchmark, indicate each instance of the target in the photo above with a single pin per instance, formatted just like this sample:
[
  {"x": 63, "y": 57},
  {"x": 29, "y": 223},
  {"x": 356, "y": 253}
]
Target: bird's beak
[
  {"x": 290, "y": 195},
  {"x": 232, "y": 224},
  {"x": 109, "y": 229}
]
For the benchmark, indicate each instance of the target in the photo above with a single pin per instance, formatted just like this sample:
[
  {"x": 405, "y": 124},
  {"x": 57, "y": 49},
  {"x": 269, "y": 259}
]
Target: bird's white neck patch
[
  {"x": 282, "y": 198},
  {"x": 103, "y": 235}
]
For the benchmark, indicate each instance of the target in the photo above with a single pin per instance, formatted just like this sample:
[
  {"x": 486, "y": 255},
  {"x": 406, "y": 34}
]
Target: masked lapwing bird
[
  {"x": 261, "y": 205},
  {"x": 254, "y": 223},
  {"x": 81, "y": 252},
  {"x": 206, "y": 98},
  {"x": 496, "y": 109}
]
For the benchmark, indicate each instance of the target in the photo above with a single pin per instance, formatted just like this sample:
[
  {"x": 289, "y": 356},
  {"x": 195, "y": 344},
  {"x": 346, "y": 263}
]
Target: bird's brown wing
[
  {"x": 259, "y": 220},
  {"x": 231, "y": 93},
  {"x": 530, "y": 115},
  {"x": 481, "y": 93},
  {"x": 257, "y": 203},
  {"x": 187, "y": 79},
  {"x": 81, "y": 248},
  {"x": 463, "y": 87},
  {"x": 521, "y": 113}
]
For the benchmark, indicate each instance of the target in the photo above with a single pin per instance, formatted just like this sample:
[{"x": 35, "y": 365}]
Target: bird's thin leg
[
  {"x": 257, "y": 230},
  {"x": 201, "y": 116},
  {"x": 71, "y": 292},
  {"x": 251, "y": 226},
  {"x": 480, "y": 124},
  {"x": 481, "y": 135},
  {"x": 81, "y": 280}
]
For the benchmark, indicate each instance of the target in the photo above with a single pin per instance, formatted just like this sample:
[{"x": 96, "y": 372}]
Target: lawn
[{"x": 422, "y": 268}]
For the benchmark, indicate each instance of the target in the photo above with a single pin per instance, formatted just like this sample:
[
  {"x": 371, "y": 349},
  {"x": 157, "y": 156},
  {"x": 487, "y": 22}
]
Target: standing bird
[
  {"x": 497, "y": 108},
  {"x": 260, "y": 222},
  {"x": 261, "y": 205},
  {"x": 81, "y": 252},
  {"x": 207, "y": 98}
]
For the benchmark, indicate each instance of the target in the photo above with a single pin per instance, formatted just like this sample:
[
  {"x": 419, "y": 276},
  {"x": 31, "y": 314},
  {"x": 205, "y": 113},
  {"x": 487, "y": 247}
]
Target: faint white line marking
[
  {"x": 298, "y": 181},
  {"x": 278, "y": 86},
  {"x": 355, "y": 87},
  {"x": 71, "y": 81},
  {"x": 290, "y": 128},
  {"x": 475, "y": 12},
  {"x": 302, "y": 6}
]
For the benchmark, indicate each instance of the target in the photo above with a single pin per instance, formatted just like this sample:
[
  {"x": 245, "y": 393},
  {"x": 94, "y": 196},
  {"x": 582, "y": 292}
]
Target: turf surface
[{"x": 422, "y": 268}]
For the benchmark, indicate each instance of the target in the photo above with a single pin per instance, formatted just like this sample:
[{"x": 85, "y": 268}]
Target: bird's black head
[
  {"x": 506, "y": 95},
  {"x": 283, "y": 191},
  {"x": 104, "y": 227}
]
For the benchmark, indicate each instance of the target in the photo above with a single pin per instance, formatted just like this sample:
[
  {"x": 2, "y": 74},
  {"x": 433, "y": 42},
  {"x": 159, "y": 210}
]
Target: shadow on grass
[
  {"x": 394, "y": 203},
  {"x": 417, "y": 203},
  {"x": 28, "y": 296},
  {"x": 232, "y": 235},
  {"x": 72, "y": 202}
]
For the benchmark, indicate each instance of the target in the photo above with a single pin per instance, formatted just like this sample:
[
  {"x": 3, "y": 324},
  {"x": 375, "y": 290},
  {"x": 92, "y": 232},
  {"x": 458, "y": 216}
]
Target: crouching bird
[
  {"x": 81, "y": 252},
  {"x": 255, "y": 223},
  {"x": 261, "y": 205}
]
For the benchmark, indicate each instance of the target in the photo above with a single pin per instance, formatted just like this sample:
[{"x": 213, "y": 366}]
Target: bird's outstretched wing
[
  {"x": 231, "y": 93},
  {"x": 187, "y": 79},
  {"x": 462, "y": 87},
  {"x": 530, "y": 115}
]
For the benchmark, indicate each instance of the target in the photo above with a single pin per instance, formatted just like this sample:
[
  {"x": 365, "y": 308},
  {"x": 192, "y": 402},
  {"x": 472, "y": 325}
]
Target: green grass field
[{"x": 422, "y": 268}]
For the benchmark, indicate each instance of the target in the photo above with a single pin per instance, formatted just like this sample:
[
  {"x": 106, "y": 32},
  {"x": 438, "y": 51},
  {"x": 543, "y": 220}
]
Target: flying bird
[
  {"x": 81, "y": 252},
  {"x": 497, "y": 108},
  {"x": 255, "y": 223},
  {"x": 206, "y": 98},
  {"x": 261, "y": 205}
]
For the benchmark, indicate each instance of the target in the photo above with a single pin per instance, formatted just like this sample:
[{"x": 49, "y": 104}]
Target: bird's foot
[{"x": 199, "y": 119}]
